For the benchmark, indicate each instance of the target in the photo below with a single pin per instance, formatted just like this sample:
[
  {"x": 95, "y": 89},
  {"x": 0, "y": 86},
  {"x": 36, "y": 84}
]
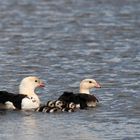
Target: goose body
[
  {"x": 84, "y": 98},
  {"x": 26, "y": 99}
]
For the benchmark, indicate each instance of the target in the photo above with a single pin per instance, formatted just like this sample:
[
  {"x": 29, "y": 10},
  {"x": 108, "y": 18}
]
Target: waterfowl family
[
  {"x": 26, "y": 99},
  {"x": 84, "y": 98}
]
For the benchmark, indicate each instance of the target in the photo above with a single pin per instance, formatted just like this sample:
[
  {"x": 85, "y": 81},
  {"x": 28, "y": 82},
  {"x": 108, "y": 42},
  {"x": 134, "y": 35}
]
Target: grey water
[{"x": 64, "y": 42}]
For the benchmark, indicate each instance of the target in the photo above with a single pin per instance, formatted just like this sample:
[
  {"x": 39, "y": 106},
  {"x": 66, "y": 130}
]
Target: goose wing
[{"x": 16, "y": 99}]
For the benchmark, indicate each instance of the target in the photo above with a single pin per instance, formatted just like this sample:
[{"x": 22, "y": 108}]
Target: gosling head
[
  {"x": 50, "y": 104},
  {"x": 59, "y": 104}
]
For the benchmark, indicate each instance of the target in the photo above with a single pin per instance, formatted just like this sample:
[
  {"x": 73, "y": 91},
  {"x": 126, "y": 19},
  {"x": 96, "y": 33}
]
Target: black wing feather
[
  {"x": 78, "y": 98},
  {"x": 16, "y": 99}
]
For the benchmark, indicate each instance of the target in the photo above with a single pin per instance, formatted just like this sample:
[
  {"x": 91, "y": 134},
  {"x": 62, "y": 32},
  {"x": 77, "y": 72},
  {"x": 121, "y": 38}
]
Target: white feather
[{"x": 28, "y": 103}]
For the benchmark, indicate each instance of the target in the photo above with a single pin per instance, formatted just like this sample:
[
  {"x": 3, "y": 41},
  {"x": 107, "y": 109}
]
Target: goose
[
  {"x": 26, "y": 99},
  {"x": 83, "y": 99}
]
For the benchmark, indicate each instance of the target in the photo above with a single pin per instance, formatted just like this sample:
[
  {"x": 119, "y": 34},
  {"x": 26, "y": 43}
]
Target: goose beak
[
  {"x": 97, "y": 85},
  {"x": 42, "y": 84}
]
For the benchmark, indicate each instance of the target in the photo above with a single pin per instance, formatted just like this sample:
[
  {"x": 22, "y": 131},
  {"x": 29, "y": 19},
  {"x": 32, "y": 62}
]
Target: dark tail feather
[{"x": 5, "y": 96}]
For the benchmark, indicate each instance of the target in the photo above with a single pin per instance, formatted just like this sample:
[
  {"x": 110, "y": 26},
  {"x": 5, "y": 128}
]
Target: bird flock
[{"x": 27, "y": 99}]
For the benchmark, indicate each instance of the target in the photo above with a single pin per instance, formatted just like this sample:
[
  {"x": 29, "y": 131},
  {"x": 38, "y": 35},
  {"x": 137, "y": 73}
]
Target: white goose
[
  {"x": 26, "y": 99},
  {"x": 84, "y": 98}
]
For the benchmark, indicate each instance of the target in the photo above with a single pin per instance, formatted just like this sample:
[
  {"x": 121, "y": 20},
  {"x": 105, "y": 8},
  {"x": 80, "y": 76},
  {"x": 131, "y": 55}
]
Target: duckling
[
  {"x": 70, "y": 107},
  {"x": 51, "y": 106},
  {"x": 46, "y": 107},
  {"x": 58, "y": 106}
]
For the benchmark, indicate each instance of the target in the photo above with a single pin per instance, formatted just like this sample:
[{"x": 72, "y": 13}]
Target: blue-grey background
[{"x": 63, "y": 42}]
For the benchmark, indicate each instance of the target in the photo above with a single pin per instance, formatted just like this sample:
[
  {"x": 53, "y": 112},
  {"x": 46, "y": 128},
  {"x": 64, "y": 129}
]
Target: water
[{"x": 64, "y": 42}]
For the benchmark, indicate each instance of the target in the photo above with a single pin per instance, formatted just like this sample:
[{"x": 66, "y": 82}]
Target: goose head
[
  {"x": 29, "y": 84},
  {"x": 88, "y": 84}
]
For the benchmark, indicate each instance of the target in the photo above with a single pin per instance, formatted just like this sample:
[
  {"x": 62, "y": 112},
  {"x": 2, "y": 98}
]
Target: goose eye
[
  {"x": 90, "y": 81},
  {"x": 36, "y": 81}
]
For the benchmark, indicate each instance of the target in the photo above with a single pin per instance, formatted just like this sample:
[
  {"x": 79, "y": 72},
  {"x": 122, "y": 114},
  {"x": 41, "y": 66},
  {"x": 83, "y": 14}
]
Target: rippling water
[{"x": 64, "y": 42}]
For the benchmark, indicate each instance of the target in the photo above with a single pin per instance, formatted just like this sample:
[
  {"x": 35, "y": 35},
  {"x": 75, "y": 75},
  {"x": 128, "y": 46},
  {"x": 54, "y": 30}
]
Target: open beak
[{"x": 42, "y": 85}]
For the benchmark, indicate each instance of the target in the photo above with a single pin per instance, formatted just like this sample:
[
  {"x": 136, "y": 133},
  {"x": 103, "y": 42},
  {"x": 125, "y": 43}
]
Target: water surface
[{"x": 64, "y": 42}]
